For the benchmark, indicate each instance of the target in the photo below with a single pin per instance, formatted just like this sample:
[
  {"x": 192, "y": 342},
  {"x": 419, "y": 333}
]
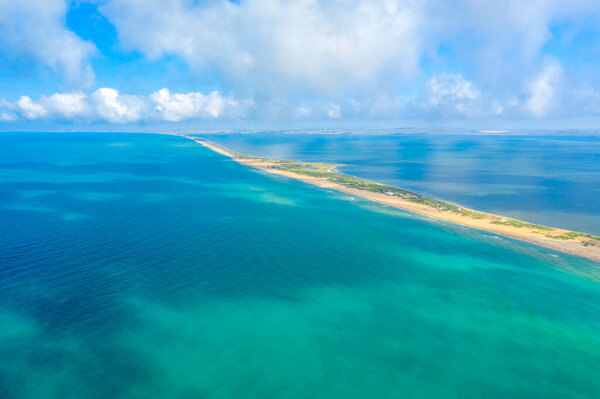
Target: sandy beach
[{"x": 555, "y": 239}]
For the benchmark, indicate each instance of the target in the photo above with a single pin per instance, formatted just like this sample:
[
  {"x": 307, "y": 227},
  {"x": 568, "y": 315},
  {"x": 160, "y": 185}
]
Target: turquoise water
[
  {"x": 145, "y": 266},
  {"x": 550, "y": 180}
]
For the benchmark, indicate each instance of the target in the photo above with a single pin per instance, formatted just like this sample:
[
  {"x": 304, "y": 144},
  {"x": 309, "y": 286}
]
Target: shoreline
[{"x": 325, "y": 176}]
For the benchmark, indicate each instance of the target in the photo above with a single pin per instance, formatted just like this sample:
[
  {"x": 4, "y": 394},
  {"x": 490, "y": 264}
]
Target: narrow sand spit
[{"x": 580, "y": 244}]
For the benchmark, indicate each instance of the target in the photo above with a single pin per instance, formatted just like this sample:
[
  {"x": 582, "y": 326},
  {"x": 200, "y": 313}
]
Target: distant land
[
  {"x": 333, "y": 131},
  {"x": 325, "y": 175},
  {"x": 407, "y": 130}
]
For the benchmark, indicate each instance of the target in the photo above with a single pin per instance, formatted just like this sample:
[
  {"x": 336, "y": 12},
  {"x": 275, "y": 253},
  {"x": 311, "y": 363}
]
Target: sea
[
  {"x": 147, "y": 266},
  {"x": 553, "y": 180}
]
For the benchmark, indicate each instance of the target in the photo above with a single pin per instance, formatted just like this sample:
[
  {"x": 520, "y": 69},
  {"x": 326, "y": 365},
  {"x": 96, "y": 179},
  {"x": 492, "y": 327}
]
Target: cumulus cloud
[
  {"x": 302, "y": 112},
  {"x": 325, "y": 46},
  {"x": 118, "y": 108},
  {"x": 36, "y": 29},
  {"x": 67, "y": 105},
  {"x": 7, "y": 117},
  {"x": 108, "y": 105},
  {"x": 30, "y": 109},
  {"x": 334, "y": 111},
  {"x": 176, "y": 107},
  {"x": 320, "y": 46},
  {"x": 543, "y": 90},
  {"x": 58, "y": 105},
  {"x": 317, "y": 59},
  {"x": 451, "y": 93},
  {"x": 503, "y": 41}
]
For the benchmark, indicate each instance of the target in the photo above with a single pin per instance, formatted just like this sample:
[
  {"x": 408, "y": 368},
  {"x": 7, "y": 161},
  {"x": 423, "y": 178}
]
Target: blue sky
[{"x": 156, "y": 64}]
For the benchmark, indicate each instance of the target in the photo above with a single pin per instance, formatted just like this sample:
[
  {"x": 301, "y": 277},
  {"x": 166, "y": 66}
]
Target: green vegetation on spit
[
  {"x": 518, "y": 223},
  {"x": 328, "y": 172}
]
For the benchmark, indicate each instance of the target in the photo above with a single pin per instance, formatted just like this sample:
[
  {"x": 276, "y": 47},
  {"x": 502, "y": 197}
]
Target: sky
[{"x": 221, "y": 64}]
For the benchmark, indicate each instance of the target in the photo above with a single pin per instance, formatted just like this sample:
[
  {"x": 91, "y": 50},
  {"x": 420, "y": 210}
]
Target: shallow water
[
  {"x": 549, "y": 180},
  {"x": 144, "y": 266}
]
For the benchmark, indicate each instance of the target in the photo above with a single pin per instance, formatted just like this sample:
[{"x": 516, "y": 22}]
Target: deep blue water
[
  {"x": 146, "y": 266},
  {"x": 550, "y": 180}
]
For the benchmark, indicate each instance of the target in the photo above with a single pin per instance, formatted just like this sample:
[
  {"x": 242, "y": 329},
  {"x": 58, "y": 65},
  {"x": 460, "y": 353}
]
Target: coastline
[{"x": 324, "y": 175}]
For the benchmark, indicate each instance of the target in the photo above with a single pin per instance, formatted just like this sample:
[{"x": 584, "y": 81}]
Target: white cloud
[
  {"x": 298, "y": 57},
  {"x": 451, "y": 94},
  {"x": 31, "y": 109},
  {"x": 333, "y": 111},
  {"x": 315, "y": 59},
  {"x": 58, "y": 105},
  {"x": 450, "y": 87},
  {"x": 177, "y": 107},
  {"x": 36, "y": 29},
  {"x": 302, "y": 112},
  {"x": 543, "y": 90},
  {"x": 7, "y": 117},
  {"x": 66, "y": 105},
  {"x": 107, "y": 104},
  {"x": 335, "y": 46},
  {"x": 117, "y": 108},
  {"x": 317, "y": 46}
]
